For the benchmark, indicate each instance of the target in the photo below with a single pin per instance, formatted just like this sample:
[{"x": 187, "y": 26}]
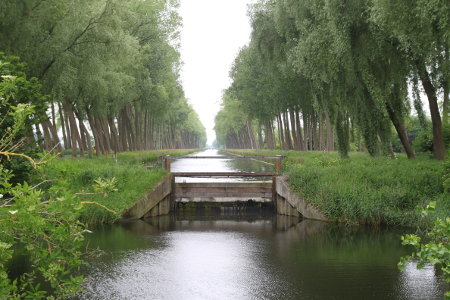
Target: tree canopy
[
  {"x": 111, "y": 72},
  {"x": 330, "y": 69}
]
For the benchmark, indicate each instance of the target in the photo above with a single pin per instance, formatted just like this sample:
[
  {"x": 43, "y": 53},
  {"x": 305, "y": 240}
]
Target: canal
[{"x": 252, "y": 255}]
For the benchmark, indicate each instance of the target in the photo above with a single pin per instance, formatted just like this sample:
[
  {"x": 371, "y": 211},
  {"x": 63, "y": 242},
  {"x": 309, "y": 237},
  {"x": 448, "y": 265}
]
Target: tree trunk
[
  {"x": 85, "y": 136},
  {"x": 301, "y": 142},
  {"x": 280, "y": 133},
  {"x": 314, "y": 132},
  {"x": 74, "y": 131},
  {"x": 260, "y": 138},
  {"x": 330, "y": 133},
  {"x": 287, "y": 134},
  {"x": 438, "y": 139},
  {"x": 401, "y": 131},
  {"x": 114, "y": 135},
  {"x": 95, "y": 132},
  {"x": 269, "y": 135},
  {"x": 63, "y": 125},
  {"x": 47, "y": 138},
  {"x": 68, "y": 131},
  {"x": 446, "y": 102},
  {"x": 39, "y": 137},
  {"x": 294, "y": 129}
]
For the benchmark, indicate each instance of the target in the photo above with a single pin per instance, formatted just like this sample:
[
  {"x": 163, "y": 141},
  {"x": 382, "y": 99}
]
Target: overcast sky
[{"x": 212, "y": 34}]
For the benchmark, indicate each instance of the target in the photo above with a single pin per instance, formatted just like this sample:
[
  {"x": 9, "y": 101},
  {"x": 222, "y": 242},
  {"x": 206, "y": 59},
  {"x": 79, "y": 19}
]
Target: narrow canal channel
[{"x": 250, "y": 256}]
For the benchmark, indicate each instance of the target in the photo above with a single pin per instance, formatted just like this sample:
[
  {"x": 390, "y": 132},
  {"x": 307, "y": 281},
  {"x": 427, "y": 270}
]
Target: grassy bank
[
  {"x": 133, "y": 178},
  {"x": 363, "y": 189}
]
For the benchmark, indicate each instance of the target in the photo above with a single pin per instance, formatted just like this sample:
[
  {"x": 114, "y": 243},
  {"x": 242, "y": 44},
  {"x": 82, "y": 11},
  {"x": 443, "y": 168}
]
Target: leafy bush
[
  {"x": 423, "y": 142},
  {"x": 17, "y": 116},
  {"x": 46, "y": 230}
]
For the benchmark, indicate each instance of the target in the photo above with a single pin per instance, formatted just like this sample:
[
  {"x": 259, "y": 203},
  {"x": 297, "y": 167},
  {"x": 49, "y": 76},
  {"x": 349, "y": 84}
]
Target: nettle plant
[{"x": 44, "y": 230}]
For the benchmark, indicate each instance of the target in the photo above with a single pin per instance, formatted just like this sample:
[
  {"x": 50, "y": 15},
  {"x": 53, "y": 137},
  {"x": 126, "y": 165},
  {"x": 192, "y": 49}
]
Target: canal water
[{"x": 257, "y": 255}]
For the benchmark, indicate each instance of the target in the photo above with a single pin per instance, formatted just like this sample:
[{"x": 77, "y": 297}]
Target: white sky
[{"x": 212, "y": 34}]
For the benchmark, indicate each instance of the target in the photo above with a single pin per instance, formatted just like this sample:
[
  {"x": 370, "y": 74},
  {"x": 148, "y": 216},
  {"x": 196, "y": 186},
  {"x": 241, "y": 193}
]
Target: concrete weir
[
  {"x": 158, "y": 201},
  {"x": 161, "y": 199},
  {"x": 290, "y": 204}
]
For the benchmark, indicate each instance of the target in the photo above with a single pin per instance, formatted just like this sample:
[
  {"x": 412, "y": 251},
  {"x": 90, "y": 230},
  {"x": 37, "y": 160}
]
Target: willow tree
[
  {"x": 111, "y": 67},
  {"x": 332, "y": 44},
  {"x": 420, "y": 29}
]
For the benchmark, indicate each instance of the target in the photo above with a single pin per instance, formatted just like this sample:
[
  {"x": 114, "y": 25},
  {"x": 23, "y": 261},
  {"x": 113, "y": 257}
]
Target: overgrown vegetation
[
  {"x": 124, "y": 182},
  {"x": 364, "y": 189}
]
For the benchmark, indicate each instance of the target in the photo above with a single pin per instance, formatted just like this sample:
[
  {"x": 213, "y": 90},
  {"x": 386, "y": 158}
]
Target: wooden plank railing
[
  {"x": 242, "y": 189},
  {"x": 222, "y": 174},
  {"x": 225, "y": 157}
]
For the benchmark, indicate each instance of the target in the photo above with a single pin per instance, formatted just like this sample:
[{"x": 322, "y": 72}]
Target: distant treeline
[
  {"x": 320, "y": 70},
  {"x": 105, "y": 74}
]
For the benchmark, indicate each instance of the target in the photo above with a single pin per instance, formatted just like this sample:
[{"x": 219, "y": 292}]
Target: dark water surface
[{"x": 251, "y": 256}]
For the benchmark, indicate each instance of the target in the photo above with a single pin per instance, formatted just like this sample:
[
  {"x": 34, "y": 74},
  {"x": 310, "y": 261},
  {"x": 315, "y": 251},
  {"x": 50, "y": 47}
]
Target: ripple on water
[{"x": 193, "y": 265}]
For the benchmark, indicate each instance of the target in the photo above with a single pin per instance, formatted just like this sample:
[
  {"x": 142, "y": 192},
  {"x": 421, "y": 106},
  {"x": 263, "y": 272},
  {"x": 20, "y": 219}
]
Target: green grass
[
  {"x": 146, "y": 157},
  {"x": 364, "y": 189},
  {"x": 77, "y": 175}
]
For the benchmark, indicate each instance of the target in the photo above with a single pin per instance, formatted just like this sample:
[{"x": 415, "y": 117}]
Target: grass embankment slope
[
  {"x": 133, "y": 180},
  {"x": 364, "y": 189}
]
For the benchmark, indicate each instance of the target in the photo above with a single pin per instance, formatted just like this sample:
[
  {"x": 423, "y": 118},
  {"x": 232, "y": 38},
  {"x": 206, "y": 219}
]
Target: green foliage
[
  {"x": 21, "y": 106},
  {"x": 106, "y": 60},
  {"x": 447, "y": 176},
  {"x": 46, "y": 230},
  {"x": 423, "y": 141},
  {"x": 114, "y": 185},
  {"x": 366, "y": 190},
  {"x": 352, "y": 61},
  {"x": 436, "y": 250},
  {"x": 105, "y": 186}
]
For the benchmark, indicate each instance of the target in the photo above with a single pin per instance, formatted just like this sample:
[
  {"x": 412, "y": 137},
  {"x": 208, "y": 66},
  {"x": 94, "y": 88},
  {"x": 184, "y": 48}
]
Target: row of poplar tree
[
  {"x": 110, "y": 69},
  {"x": 319, "y": 70}
]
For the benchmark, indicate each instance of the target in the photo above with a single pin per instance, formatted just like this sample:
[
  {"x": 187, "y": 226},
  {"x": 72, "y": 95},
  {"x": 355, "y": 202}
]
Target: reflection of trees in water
[
  {"x": 316, "y": 258},
  {"x": 250, "y": 165},
  {"x": 346, "y": 260}
]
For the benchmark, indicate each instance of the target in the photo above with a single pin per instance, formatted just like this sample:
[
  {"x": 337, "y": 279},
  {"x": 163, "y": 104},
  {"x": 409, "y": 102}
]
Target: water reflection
[
  {"x": 255, "y": 257},
  {"x": 414, "y": 283},
  {"x": 218, "y": 165},
  {"x": 224, "y": 262}
]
